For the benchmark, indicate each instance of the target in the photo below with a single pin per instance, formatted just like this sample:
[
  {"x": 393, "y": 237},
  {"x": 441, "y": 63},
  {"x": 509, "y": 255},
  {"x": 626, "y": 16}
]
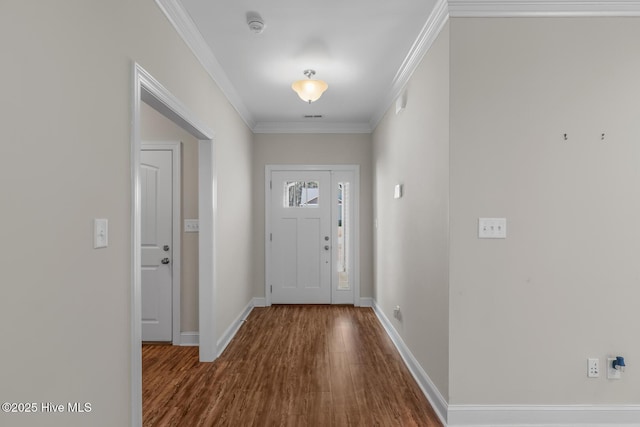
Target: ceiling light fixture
[{"x": 309, "y": 90}]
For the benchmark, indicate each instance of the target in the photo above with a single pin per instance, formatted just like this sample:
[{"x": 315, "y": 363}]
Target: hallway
[{"x": 288, "y": 366}]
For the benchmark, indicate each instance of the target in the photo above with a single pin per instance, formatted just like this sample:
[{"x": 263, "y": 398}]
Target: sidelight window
[{"x": 344, "y": 234}]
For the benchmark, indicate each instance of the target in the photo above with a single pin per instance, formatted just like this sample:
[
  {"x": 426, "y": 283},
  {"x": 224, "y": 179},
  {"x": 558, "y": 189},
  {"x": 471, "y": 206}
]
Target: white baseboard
[
  {"x": 427, "y": 386},
  {"x": 366, "y": 302},
  {"x": 260, "y": 302},
  {"x": 193, "y": 338},
  {"x": 189, "y": 339},
  {"x": 509, "y": 415},
  {"x": 231, "y": 331},
  {"x": 544, "y": 415}
]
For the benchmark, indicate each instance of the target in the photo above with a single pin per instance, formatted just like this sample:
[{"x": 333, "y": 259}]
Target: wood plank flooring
[{"x": 287, "y": 366}]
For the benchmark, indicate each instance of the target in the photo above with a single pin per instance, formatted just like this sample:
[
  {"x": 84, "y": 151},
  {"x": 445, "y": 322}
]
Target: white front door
[
  {"x": 300, "y": 237},
  {"x": 157, "y": 201}
]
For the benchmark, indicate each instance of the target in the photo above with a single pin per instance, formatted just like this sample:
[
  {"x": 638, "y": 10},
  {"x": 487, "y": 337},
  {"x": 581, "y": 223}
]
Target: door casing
[
  {"x": 147, "y": 89},
  {"x": 355, "y": 169}
]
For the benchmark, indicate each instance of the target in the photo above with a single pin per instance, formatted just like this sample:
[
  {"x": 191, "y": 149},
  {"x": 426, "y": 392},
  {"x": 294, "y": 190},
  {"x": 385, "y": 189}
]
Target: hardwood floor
[{"x": 288, "y": 366}]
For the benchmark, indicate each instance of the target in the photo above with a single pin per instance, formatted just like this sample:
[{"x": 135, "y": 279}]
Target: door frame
[
  {"x": 147, "y": 89},
  {"x": 175, "y": 147},
  {"x": 355, "y": 169}
]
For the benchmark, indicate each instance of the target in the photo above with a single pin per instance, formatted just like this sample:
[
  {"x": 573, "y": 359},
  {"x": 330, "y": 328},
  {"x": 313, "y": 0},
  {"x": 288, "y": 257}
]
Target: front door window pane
[{"x": 301, "y": 194}]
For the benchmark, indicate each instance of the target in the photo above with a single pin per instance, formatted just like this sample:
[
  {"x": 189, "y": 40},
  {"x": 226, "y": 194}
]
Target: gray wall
[
  {"x": 65, "y": 312},
  {"x": 411, "y": 239},
  {"x": 513, "y": 321},
  {"x": 526, "y": 312},
  {"x": 320, "y": 149},
  {"x": 562, "y": 287}
]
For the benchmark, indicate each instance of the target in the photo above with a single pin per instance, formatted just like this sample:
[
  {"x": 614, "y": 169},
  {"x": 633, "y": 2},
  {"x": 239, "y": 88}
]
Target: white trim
[
  {"x": 146, "y": 88},
  {"x": 543, "y": 8},
  {"x": 543, "y": 415},
  {"x": 136, "y": 258},
  {"x": 234, "y": 327},
  {"x": 267, "y": 218},
  {"x": 428, "y": 35},
  {"x": 189, "y": 339},
  {"x": 192, "y": 338},
  {"x": 259, "y": 302},
  {"x": 158, "y": 97},
  {"x": 427, "y": 386},
  {"x": 207, "y": 213},
  {"x": 176, "y": 242},
  {"x": 314, "y": 127},
  {"x": 267, "y": 234},
  {"x": 186, "y": 28},
  {"x": 366, "y": 302},
  {"x": 508, "y": 415}
]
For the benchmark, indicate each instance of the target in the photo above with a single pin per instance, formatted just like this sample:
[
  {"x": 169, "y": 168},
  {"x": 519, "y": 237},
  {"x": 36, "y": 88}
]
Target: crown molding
[
  {"x": 442, "y": 10},
  {"x": 542, "y": 8},
  {"x": 186, "y": 28},
  {"x": 303, "y": 127},
  {"x": 429, "y": 33}
]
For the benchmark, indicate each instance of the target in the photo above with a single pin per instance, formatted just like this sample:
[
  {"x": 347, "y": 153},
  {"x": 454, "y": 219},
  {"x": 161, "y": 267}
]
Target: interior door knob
[{"x": 165, "y": 260}]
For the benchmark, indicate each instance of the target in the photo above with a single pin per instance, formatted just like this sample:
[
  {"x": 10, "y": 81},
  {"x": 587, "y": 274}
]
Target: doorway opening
[{"x": 148, "y": 90}]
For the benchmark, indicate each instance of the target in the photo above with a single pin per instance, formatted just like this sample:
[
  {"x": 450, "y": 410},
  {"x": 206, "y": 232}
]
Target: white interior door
[
  {"x": 157, "y": 200},
  {"x": 300, "y": 237}
]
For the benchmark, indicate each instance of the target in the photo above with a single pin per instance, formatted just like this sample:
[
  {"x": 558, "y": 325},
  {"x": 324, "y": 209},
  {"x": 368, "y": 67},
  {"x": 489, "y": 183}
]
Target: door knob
[
  {"x": 326, "y": 247},
  {"x": 165, "y": 260},
  {"x": 326, "y": 238},
  {"x": 165, "y": 248}
]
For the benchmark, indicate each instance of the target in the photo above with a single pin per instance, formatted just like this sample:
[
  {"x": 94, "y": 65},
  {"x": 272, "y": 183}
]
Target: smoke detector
[{"x": 255, "y": 22}]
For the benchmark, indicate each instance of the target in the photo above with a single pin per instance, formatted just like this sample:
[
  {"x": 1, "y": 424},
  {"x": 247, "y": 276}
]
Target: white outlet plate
[
  {"x": 492, "y": 228},
  {"x": 612, "y": 373},
  {"x": 191, "y": 226},
  {"x": 593, "y": 368}
]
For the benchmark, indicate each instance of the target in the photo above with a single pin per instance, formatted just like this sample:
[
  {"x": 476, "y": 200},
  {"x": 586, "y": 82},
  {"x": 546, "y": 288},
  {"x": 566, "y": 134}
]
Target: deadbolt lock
[{"x": 165, "y": 248}]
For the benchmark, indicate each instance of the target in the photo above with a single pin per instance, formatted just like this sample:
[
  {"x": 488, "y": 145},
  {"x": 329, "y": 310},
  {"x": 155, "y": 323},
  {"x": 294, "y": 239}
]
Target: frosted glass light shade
[{"x": 309, "y": 90}]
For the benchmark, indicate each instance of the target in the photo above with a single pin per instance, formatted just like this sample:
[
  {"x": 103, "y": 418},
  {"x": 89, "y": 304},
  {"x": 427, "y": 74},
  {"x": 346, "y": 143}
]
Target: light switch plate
[
  {"x": 191, "y": 226},
  {"x": 100, "y": 233},
  {"x": 492, "y": 228},
  {"x": 397, "y": 191}
]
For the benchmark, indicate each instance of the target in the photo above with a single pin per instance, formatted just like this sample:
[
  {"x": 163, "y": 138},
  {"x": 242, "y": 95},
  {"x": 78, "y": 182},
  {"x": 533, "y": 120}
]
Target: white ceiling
[
  {"x": 365, "y": 50},
  {"x": 356, "y": 46}
]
